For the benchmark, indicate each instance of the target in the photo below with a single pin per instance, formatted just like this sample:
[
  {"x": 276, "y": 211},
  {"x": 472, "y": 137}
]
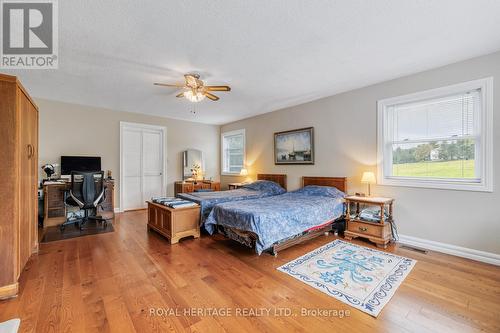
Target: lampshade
[
  {"x": 194, "y": 96},
  {"x": 243, "y": 172},
  {"x": 368, "y": 177}
]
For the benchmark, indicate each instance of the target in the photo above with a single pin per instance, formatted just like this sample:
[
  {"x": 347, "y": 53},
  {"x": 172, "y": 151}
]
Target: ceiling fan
[{"x": 195, "y": 89}]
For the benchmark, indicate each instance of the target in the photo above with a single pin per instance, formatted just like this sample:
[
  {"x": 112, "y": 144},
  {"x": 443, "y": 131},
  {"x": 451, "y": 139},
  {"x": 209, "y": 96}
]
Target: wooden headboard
[
  {"x": 278, "y": 178},
  {"x": 338, "y": 182}
]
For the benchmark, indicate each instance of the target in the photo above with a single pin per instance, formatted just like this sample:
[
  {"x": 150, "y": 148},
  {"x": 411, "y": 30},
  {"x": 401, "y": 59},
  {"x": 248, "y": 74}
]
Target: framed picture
[{"x": 294, "y": 147}]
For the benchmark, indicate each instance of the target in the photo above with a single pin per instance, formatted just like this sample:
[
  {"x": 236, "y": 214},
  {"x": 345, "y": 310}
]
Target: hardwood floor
[{"x": 110, "y": 282}]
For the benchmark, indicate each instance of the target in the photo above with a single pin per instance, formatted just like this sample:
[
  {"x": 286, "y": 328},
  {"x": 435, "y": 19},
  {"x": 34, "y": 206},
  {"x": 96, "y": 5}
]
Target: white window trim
[
  {"x": 235, "y": 132},
  {"x": 486, "y": 138}
]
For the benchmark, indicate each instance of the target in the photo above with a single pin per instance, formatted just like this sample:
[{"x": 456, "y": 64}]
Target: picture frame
[{"x": 294, "y": 146}]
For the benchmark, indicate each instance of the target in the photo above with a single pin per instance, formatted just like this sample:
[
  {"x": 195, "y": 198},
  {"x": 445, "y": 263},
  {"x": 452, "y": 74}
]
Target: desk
[{"x": 54, "y": 210}]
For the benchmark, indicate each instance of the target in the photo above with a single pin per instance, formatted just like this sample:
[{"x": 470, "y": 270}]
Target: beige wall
[
  {"x": 68, "y": 129},
  {"x": 346, "y": 145}
]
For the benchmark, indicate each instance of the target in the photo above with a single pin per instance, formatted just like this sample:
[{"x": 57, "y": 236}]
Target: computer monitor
[{"x": 79, "y": 163}]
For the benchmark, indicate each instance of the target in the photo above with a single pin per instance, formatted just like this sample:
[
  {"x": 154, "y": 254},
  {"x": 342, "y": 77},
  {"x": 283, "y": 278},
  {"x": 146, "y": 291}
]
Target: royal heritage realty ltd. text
[{"x": 248, "y": 312}]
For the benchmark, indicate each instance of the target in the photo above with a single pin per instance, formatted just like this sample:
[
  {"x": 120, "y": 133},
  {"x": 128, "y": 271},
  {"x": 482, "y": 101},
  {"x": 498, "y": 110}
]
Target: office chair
[{"x": 87, "y": 193}]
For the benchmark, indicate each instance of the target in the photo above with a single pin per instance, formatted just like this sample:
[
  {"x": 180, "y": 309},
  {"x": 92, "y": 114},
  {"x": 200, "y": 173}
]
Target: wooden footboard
[
  {"x": 249, "y": 239},
  {"x": 324, "y": 230}
]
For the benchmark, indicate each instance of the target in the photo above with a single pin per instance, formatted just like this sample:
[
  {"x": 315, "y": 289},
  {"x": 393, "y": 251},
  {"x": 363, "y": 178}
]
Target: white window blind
[
  {"x": 233, "y": 151},
  {"x": 436, "y": 137}
]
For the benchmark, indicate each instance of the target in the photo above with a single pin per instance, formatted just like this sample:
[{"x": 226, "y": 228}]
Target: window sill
[
  {"x": 230, "y": 174},
  {"x": 437, "y": 184}
]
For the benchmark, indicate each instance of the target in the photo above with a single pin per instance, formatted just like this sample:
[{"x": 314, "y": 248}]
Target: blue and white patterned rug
[{"x": 359, "y": 276}]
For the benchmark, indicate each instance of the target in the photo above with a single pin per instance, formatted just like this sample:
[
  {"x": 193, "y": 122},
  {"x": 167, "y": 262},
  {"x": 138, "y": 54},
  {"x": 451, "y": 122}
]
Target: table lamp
[
  {"x": 49, "y": 169},
  {"x": 368, "y": 178},
  {"x": 244, "y": 173}
]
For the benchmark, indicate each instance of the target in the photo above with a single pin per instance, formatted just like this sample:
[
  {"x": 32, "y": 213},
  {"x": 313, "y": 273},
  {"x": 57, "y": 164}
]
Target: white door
[{"x": 142, "y": 164}]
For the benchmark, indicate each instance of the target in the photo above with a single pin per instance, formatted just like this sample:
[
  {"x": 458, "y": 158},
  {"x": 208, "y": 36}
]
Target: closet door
[
  {"x": 142, "y": 164},
  {"x": 26, "y": 204},
  {"x": 131, "y": 168},
  {"x": 152, "y": 164},
  {"x": 33, "y": 121}
]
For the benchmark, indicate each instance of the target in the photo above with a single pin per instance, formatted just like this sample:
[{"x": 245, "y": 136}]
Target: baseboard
[
  {"x": 117, "y": 210},
  {"x": 487, "y": 257},
  {"x": 9, "y": 291}
]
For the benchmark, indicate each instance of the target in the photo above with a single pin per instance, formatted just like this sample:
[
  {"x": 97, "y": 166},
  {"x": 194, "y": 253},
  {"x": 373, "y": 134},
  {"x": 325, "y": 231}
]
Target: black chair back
[{"x": 87, "y": 188}]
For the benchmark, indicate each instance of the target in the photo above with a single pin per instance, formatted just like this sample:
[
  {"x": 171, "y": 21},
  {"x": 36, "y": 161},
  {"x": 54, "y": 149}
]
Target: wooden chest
[{"x": 174, "y": 224}]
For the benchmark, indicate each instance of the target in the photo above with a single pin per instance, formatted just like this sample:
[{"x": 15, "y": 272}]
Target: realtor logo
[{"x": 29, "y": 34}]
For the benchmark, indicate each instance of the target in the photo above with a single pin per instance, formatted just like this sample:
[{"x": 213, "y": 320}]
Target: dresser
[
  {"x": 19, "y": 193},
  {"x": 191, "y": 186},
  {"x": 53, "y": 201}
]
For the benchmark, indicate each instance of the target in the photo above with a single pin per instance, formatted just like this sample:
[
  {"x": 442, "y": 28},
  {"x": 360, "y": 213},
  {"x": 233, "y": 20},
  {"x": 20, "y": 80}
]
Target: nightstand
[
  {"x": 234, "y": 186},
  {"x": 378, "y": 232}
]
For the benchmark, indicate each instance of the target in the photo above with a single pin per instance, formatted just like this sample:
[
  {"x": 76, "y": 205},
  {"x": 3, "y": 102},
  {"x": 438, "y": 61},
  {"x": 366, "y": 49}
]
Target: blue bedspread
[
  {"x": 255, "y": 190},
  {"x": 278, "y": 217}
]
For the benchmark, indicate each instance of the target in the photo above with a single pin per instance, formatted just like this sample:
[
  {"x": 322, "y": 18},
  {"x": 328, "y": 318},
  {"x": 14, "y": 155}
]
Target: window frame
[
  {"x": 223, "y": 159},
  {"x": 484, "y": 147}
]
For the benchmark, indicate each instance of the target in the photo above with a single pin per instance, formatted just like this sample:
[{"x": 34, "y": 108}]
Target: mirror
[{"x": 190, "y": 158}]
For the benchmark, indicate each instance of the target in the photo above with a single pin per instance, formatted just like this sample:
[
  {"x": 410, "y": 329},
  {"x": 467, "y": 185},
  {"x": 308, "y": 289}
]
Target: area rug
[
  {"x": 10, "y": 326},
  {"x": 356, "y": 275},
  {"x": 53, "y": 234}
]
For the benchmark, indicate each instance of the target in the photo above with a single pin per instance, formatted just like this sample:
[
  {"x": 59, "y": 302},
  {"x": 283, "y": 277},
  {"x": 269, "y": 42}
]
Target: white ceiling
[{"x": 273, "y": 54}]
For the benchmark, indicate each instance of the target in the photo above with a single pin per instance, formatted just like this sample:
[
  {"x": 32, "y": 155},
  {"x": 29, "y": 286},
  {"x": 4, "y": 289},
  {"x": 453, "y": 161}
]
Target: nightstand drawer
[{"x": 369, "y": 229}]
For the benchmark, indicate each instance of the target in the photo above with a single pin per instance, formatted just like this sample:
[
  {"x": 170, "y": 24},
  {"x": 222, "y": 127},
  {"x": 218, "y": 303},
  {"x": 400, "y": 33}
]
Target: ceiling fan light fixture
[
  {"x": 195, "y": 90},
  {"x": 194, "y": 97}
]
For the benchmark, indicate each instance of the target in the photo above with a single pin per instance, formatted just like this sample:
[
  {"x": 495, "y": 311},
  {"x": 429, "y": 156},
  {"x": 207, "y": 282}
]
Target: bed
[
  {"x": 265, "y": 186},
  {"x": 278, "y": 222}
]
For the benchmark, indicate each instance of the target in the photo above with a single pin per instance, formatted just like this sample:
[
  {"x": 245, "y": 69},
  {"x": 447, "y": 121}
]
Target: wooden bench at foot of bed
[{"x": 172, "y": 223}]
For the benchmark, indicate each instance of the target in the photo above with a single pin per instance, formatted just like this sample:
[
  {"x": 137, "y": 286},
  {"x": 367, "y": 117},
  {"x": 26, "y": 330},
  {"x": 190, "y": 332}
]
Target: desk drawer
[
  {"x": 55, "y": 212},
  {"x": 53, "y": 203},
  {"x": 55, "y": 194}
]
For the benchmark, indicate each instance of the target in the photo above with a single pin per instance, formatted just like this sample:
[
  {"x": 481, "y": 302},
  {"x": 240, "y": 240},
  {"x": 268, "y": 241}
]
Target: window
[
  {"x": 233, "y": 151},
  {"x": 439, "y": 138}
]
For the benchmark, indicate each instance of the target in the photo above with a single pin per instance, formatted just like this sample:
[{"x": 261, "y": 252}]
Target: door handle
[{"x": 30, "y": 151}]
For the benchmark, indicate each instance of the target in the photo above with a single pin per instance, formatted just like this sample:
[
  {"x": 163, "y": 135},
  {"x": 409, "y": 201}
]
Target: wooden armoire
[{"x": 19, "y": 185}]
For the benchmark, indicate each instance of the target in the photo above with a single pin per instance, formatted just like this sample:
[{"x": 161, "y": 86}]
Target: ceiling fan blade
[
  {"x": 180, "y": 95},
  {"x": 211, "y": 96},
  {"x": 217, "y": 88},
  {"x": 169, "y": 85}
]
